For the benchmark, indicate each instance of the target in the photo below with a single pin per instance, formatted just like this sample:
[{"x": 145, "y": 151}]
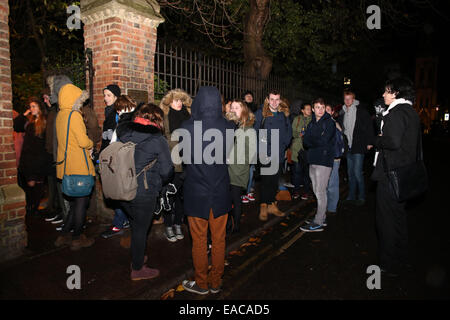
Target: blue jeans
[
  {"x": 297, "y": 178},
  {"x": 300, "y": 176},
  {"x": 355, "y": 176},
  {"x": 119, "y": 218},
  {"x": 250, "y": 179},
  {"x": 333, "y": 187}
]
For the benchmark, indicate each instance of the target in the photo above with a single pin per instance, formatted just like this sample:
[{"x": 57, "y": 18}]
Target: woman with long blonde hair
[{"x": 240, "y": 159}]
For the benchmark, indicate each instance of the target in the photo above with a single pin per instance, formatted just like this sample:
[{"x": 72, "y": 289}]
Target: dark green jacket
[{"x": 299, "y": 124}]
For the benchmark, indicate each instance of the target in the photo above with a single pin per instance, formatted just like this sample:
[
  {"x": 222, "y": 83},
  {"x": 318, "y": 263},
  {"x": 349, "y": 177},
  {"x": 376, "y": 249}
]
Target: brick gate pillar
[
  {"x": 13, "y": 235},
  {"x": 122, "y": 36}
]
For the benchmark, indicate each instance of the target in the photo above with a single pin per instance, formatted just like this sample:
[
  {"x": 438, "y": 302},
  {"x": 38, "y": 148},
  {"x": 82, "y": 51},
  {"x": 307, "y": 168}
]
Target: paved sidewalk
[{"x": 105, "y": 267}]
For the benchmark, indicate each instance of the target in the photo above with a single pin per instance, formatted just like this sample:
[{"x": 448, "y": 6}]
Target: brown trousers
[{"x": 199, "y": 232}]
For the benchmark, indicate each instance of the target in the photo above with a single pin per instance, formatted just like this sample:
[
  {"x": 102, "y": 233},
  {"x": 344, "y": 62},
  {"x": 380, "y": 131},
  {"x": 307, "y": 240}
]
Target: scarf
[
  {"x": 146, "y": 122},
  {"x": 385, "y": 113},
  {"x": 176, "y": 118}
]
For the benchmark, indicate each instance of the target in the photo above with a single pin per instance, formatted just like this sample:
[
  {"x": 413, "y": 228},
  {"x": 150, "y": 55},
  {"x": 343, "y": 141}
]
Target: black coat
[
  {"x": 398, "y": 144},
  {"x": 35, "y": 161},
  {"x": 109, "y": 124},
  {"x": 207, "y": 186},
  {"x": 319, "y": 140},
  {"x": 363, "y": 133},
  {"x": 150, "y": 144}
]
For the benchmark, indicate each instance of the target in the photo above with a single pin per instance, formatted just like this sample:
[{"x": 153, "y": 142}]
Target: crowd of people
[{"x": 61, "y": 136}]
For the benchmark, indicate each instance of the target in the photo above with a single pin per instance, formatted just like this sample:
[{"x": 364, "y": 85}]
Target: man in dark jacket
[
  {"x": 358, "y": 132},
  {"x": 273, "y": 117},
  {"x": 396, "y": 147},
  {"x": 207, "y": 198},
  {"x": 319, "y": 141}
]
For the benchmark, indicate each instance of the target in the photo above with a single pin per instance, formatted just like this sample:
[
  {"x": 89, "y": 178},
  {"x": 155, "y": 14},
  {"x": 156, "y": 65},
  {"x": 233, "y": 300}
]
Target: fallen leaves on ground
[
  {"x": 125, "y": 242},
  {"x": 168, "y": 294},
  {"x": 247, "y": 244},
  {"x": 180, "y": 288},
  {"x": 236, "y": 253},
  {"x": 255, "y": 239}
]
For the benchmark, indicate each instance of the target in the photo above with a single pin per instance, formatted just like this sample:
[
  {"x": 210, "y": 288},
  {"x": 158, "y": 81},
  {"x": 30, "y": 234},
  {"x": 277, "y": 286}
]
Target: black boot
[
  {"x": 28, "y": 209},
  {"x": 229, "y": 224}
]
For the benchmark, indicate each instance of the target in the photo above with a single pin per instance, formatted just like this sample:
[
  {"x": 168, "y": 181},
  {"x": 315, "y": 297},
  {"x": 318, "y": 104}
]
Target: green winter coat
[
  {"x": 239, "y": 169},
  {"x": 299, "y": 124}
]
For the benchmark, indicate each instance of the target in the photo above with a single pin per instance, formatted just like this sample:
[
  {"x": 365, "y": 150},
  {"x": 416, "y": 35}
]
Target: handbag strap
[
  {"x": 147, "y": 167},
  {"x": 67, "y": 143}
]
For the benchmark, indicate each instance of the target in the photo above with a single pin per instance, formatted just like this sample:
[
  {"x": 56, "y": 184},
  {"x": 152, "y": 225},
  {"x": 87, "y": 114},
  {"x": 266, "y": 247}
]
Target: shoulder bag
[
  {"x": 411, "y": 180},
  {"x": 76, "y": 185}
]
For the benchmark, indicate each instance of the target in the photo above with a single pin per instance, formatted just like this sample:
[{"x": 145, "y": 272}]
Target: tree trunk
[
  {"x": 257, "y": 63},
  {"x": 39, "y": 41}
]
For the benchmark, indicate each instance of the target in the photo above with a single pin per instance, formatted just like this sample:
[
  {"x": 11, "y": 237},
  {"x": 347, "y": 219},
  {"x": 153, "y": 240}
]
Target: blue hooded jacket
[
  {"x": 278, "y": 121},
  {"x": 319, "y": 140},
  {"x": 207, "y": 186}
]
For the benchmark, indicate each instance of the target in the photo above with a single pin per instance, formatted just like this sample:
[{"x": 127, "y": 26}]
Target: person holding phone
[{"x": 34, "y": 164}]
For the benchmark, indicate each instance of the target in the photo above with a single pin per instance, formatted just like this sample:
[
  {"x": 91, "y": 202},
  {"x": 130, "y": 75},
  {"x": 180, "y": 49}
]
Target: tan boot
[
  {"x": 82, "y": 242},
  {"x": 263, "y": 212},
  {"x": 273, "y": 209},
  {"x": 63, "y": 240}
]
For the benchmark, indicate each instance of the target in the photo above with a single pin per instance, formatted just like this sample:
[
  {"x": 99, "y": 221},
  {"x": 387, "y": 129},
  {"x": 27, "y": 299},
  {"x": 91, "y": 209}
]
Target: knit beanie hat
[{"x": 114, "y": 89}]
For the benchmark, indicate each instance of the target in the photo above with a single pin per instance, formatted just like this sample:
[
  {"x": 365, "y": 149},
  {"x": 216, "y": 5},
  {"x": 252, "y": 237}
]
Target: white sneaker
[
  {"x": 178, "y": 233},
  {"x": 289, "y": 185},
  {"x": 245, "y": 199},
  {"x": 170, "y": 235}
]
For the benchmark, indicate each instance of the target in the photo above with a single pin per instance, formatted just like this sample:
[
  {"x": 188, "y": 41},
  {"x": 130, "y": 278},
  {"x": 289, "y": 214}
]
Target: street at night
[{"x": 224, "y": 158}]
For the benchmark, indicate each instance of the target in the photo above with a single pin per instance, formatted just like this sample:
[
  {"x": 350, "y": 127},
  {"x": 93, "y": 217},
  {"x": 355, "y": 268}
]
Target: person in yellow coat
[{"x": 70, "y": 96}]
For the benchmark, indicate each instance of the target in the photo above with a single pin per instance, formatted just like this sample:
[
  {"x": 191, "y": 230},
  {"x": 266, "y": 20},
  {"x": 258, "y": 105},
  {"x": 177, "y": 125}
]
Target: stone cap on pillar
[
  {"x": 11, "y": 193},
  {"x": 146, "y": 12}
]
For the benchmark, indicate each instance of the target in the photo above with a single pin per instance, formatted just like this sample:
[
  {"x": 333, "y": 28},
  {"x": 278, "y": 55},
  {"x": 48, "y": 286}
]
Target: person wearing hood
[
  {"x": 358, "y": 132},
  {"x": 77, "y": 161},
  {"x": 319, "y": 140},
  {"x": 272, "y": 117},
  {"x": 54, "y": 205},
  {"x": 110, "y": 95},
  {"x": 242, "y": 154},
  {"x": 176, "y": 105},
  {"x": 396, "y": 147},
  {"x": 35, "y": 162},
  {"x": 55, "y": 83},
  {"x": 146, "y": 131},
  {"x": 206, "y": 189}
]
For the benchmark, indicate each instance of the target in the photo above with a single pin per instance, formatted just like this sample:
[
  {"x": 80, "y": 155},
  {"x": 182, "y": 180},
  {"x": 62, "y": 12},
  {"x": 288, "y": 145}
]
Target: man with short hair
[
  {"x": 358, "y": 133},
  {"x": 272, "y": 116}
]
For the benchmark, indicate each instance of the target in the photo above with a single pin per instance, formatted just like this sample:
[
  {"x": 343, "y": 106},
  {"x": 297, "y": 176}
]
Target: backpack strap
[{"x": 146, "y": 168}]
